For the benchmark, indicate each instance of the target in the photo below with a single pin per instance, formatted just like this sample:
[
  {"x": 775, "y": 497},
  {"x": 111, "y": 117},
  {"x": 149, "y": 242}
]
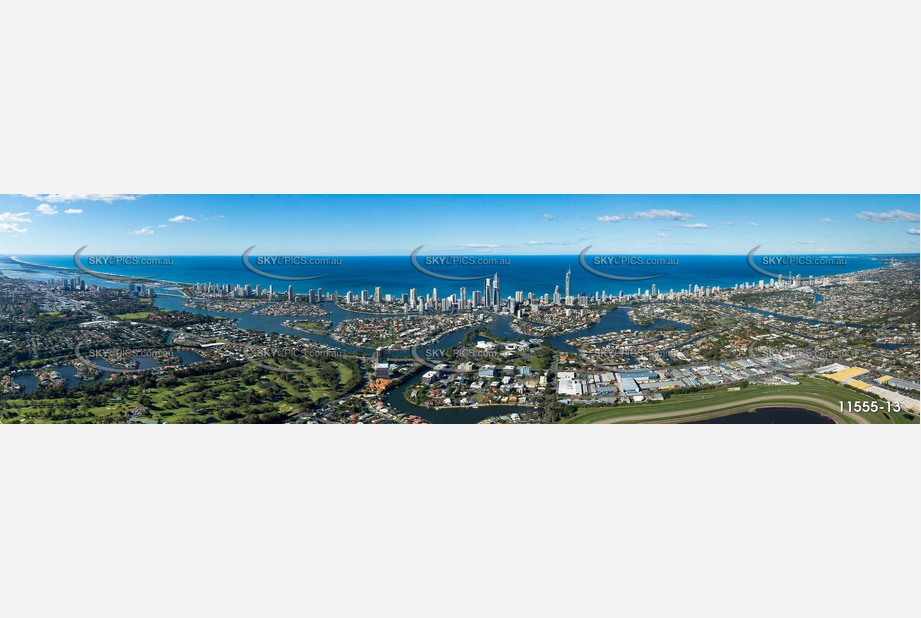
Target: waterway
[
  {"x": 499, "y": 325},
  {"x": 29, "y": 381},
  {"x": 451, "y": 416},
  {"x": 790, "y": 318}
]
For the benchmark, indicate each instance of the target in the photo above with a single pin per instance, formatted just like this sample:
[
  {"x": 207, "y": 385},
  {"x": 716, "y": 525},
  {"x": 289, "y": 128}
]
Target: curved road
[{"x": 820, "y": 403}]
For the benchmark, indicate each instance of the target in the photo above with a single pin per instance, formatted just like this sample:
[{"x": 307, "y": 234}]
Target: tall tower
[
  {"x": 568, "y": 286},
  {"x": 488, "y": 294},
  {"x": 497, "y": 297}
]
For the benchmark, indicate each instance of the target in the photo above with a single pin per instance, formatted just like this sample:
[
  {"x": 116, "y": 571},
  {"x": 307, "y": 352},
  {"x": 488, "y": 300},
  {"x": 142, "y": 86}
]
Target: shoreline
[{"x": 180, "y": 284}]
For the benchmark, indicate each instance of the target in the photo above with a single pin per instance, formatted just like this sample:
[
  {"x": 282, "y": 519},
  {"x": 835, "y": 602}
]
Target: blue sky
[{"x": 464, "y": 224}]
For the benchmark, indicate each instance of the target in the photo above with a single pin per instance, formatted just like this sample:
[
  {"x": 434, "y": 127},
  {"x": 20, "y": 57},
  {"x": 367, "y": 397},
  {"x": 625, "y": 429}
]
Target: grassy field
[
  {"x": 316, "y": 328},
  {"x": 138, "y": 315},
  {"x": 813, "y": 394}
]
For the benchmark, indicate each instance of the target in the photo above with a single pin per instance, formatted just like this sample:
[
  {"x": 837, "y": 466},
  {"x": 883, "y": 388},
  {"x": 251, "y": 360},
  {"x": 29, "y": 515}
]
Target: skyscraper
[{"x": 568, "y": 286}]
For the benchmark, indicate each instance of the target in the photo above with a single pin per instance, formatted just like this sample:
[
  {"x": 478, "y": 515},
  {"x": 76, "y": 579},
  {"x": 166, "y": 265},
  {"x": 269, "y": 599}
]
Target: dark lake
[{"x": 768, "y": 416}]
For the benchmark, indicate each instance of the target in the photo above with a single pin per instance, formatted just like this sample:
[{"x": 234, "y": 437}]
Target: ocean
[{"x": 396, "y": 274}]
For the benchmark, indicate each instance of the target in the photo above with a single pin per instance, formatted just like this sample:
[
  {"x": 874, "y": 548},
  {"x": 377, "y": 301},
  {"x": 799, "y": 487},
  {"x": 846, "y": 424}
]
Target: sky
[{"x": 352, "y": 225}]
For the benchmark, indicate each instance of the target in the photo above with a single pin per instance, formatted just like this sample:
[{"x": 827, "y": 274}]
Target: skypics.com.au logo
[
  {"x": 278, "y": 262},
  {"x": 623, "y": 260},
  {"x": 120, "y": 261},
  {"x": 761, "y": 263},
  {"x": 287, "y": 359},
  {"x": 461, "y": 359},
  {"x": 122, "y": 360},
  {"x": 462, "y": 266},
  {"x": 759, "y": 349}
]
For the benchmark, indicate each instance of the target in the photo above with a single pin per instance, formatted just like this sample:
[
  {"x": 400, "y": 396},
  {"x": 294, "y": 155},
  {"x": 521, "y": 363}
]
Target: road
[
  {"x": 820, "y": 403},
  {"x": 551, "y": 396}
]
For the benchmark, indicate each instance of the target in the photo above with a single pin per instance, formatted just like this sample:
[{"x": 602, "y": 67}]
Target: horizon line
[{"x": 329, "y": 255}]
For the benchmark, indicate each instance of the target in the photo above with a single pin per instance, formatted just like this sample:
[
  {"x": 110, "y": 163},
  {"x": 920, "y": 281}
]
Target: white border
[{"x": 483, "y": 96}]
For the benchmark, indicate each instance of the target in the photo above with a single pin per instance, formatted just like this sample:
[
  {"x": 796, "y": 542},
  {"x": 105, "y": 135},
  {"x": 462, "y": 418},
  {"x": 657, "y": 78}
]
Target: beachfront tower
[{"x": 568, "y": 286}]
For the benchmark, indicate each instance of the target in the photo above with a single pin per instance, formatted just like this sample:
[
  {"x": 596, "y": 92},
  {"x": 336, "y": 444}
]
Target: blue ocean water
[{"x": 396, "y": 274}]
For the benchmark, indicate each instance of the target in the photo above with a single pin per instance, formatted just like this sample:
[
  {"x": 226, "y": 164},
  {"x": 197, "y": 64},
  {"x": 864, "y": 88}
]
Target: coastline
[{"x": 181, "y": 284}]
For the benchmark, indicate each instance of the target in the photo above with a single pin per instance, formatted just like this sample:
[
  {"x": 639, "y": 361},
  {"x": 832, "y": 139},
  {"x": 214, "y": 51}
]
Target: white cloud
[
  {"x": 547, "y": 242},
  {"x": 46, "y": 209},
  {"x": 662, "y": 234},
  {"x": 11, "y": 228},
  {"x": 474, "y": 245},
  {"x": 647, "y": 215},
  {"x": 15, "y": 217},
  {"x": 162, "y": 225},
  {"x": 144, "y": 231},
  {"x": 73, "y": 211},
  {"x": 655, "y": 213},
  {"x": 753, "y": 224},
  {"x": 59, "y": 198},
  {"x": 891, "y": 216},
  {"x": 182, "y": 219},
  {"x": 827, "y": 220},
  {"x": 729, "y": 223},
  {"x": 547, "y": 216},
  {"x": 913, "y": 230},
  {"x": 695, "y": 225}
]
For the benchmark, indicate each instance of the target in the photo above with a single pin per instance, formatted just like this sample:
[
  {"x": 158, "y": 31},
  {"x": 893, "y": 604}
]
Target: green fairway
[
  {"x": 314, "y": 327},
  {"x": 224, "y": 396},
  {"x": 812, "y": 394},
  {"x": 138, "y": 315}
]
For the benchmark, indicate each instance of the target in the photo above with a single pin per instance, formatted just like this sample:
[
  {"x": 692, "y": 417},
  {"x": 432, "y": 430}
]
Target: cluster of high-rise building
[
  {"x": 78, "y": 284},
  {"x": 72, "y": 283},
  {"x": 490, "y": 296}
]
